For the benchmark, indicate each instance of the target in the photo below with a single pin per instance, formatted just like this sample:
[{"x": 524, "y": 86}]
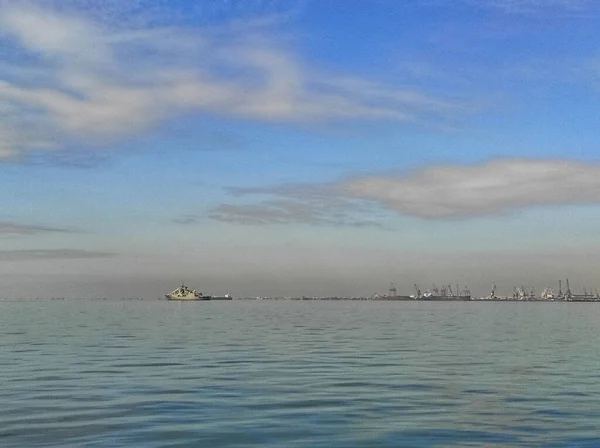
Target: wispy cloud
[
  {"x": 8, "y": 142},
  {"x": 79, "y": 159},
  {"x": 50, "y": 254},
  {"x": 186, "y": 219},
  {"x": 12, "y": 228},
  {"x": 570, "y": 9},
  {"x": 532, "y": 7},
  {"x": 494, "y": 187},
  {"x": 296, "y": 204},
  {"x": 437, "y": 192},
  {"x": 92, "y": 81},
  {"x": 289, "y": 212}
]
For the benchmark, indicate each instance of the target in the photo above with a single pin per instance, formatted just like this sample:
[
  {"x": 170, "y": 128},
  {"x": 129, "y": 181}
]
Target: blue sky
[{"x": 264, "y": 147}]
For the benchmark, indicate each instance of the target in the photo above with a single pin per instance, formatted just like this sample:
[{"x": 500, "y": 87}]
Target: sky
[{"x": 299, "y": 147}]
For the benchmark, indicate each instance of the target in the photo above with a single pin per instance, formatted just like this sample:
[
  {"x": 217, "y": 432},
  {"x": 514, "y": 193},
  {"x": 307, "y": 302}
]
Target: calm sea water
[{"x": 299, "y": 374}]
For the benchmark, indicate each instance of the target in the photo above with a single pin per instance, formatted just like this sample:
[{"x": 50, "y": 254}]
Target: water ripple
[{"x": 283, "y": 374}]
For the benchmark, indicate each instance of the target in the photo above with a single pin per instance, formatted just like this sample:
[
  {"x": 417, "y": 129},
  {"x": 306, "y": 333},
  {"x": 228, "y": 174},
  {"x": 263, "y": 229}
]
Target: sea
[{"x": 283, "y": 373}]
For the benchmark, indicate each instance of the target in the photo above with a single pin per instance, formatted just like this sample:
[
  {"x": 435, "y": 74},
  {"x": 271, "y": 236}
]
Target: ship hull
[
  {"x": 423, "y": 298},
  {"x": 393, "y": 298},
  {"x": 188, "y": 299},
  {"x": 446, "y": 298}
]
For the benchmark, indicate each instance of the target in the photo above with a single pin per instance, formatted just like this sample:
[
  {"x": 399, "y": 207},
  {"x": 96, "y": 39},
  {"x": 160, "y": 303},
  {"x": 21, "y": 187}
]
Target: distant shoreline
[{"x": 312, "y": 299}]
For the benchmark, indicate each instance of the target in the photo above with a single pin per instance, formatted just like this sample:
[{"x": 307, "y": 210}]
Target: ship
[
  {"x": 550, "y": 295},
  {"x": 569, "y": 296},
  {"x": 445, "y": 293},
  {"x": 524, "y": 294},
  {"x": 391, "y": 295},
  {"x": 185, "y": 293}
]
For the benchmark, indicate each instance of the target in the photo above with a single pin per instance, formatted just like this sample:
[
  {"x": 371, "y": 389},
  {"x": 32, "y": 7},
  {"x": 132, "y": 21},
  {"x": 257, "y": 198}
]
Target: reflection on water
[{"x": 283, "y": 373}]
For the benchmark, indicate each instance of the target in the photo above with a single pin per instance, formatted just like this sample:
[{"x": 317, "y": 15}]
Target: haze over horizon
[{"x": 289, "y": 148}]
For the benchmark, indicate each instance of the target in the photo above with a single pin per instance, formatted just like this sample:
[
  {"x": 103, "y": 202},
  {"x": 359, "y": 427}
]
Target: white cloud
[
  {"x": 497, "y": 186},
  {"x": 87, "y": 80}
]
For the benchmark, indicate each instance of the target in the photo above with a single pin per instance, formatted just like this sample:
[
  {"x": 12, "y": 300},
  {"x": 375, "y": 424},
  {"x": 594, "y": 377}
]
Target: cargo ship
[
  {"x": 445, "y": 293},
  {"x": 391, "y": 295}
]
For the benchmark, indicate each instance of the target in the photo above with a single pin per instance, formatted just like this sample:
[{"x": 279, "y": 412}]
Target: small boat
[{"x": 185, "y": 293}]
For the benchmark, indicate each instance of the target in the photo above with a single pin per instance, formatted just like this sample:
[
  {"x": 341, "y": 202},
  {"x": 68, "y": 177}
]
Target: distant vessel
[
  {"x": 391, "y": 295},
  {"x": 225, "y": 297},
  {"x": 569, "y": 296},
  {"x": 185, "y": 293},
  {"x": 548, "y": 294},
  {"x": 445, "y": 293}
]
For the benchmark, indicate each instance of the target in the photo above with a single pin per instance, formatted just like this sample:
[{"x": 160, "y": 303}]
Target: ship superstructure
[
  {"x": 522, "y": 293},
  {"x": 585, "y": 297},
  {"x": 391, "y": 295},
  {"x": 444, "y": 293},
  {"x": 185, "y": 293}
]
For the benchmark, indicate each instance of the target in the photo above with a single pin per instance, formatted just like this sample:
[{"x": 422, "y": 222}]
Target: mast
[
  {"x": 418, "y": 291},
  {"x": 392, "y": 290},
  {"x": 560, "y": 288}
]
